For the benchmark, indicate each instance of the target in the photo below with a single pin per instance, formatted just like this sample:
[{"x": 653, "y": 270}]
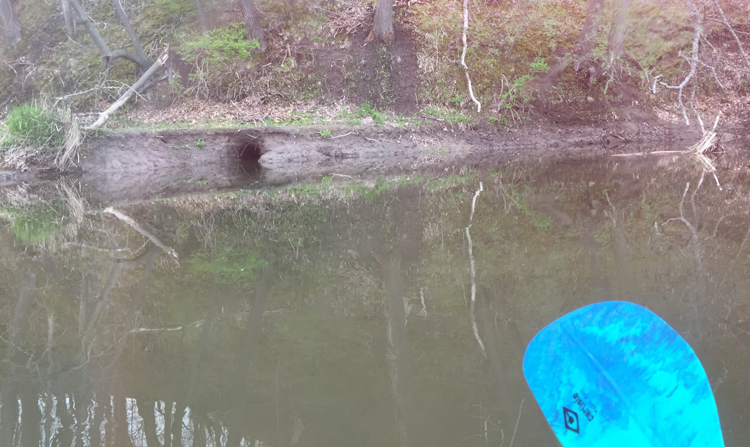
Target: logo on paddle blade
[{"x": 571, "y": 419}]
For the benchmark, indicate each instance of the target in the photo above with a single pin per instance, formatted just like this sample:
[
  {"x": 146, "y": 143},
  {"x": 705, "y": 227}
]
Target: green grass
[
  {"x": 448, "y": 115},
  {"x": 28, "y": 124}
]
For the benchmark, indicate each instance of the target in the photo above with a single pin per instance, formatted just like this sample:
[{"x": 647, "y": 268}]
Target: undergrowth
[{"x": 32, "y": 125}]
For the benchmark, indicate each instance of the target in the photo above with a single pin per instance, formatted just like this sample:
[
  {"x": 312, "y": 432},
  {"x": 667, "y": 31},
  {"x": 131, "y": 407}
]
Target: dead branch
[
  {"x": 474, "y": 326},
  {"x": 104, "y": 116},
  {"x": 725, "y": 22},
  {"x": 463, "y": 57},
  {"x": 142, "y": 230},
  {"x": 698, "y": 25}
]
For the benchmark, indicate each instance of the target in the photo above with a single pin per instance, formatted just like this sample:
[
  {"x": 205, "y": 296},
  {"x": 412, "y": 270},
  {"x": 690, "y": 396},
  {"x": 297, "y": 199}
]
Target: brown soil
[{"x": 136, "y": 165}]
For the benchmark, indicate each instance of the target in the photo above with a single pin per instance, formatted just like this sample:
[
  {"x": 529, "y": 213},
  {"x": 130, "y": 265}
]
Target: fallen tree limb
[
  {"x": 137, "y": 227},
  {"x": 104, "y": 116}
]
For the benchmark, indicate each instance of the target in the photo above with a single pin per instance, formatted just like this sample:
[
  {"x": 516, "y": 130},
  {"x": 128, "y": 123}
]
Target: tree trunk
[
  {"x": 252, "y": 23},
  {"x": 586, "y": 43},
  {"x": 144, "y": 63},
  {"x": 202, "y": 15},
  {"x": 68, "y": 16},
  {"x": 617, "y": 32},
  {"x": 246, "y": 354},
  {"x": 107, "y": 54},
  {"x": 11, "y": 25},
  {"x": 146, "y": 412},
  {"x": 383, "y": 25},
  {"x": 398, "y": 352}
]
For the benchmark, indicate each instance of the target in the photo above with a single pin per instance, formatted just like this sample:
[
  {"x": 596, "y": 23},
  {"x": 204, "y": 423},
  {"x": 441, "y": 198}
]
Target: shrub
[
  {"x": 33, "y": 125},
  {"x": 221, "y": 59},
  {"x": 222, "y": 45}
]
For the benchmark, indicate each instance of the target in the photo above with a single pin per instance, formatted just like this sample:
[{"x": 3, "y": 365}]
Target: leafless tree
[
  {"x": 252, "y": 23},
  {"x": 617, "y": 31},
  {"x": 10, "y": 23},
  {"x": 139, "y": 58},
  {"x": 68, "y": 17}
]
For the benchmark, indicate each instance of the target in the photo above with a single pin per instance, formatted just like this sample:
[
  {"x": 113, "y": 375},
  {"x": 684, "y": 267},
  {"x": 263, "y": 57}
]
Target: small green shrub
[
  {"x": 367, "y": 110},
  {"x": 33, "y": 125},
  {"x": 221, "y": 45}
]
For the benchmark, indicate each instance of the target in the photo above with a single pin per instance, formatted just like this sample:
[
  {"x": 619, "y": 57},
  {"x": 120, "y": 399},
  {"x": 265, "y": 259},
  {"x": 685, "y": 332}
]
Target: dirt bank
[{"x": 136, "y": 165}]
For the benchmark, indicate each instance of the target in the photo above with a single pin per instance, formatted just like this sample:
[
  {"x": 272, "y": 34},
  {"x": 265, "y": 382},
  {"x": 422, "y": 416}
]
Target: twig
[
  {"x": 463, "y": 57},
  {"x": 339, "y": 136},
  {"x": 473, "y": 274},
  {"x": 520, "y": 407}
]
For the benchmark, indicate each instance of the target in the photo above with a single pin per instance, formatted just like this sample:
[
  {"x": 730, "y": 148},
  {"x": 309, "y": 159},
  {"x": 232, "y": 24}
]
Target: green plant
[
  {"x": 367, "y": 111},
  {"x": 200, "y": 144},
  {"x": 325, "y": 134},
  {"x": 202, "y": 181},
  {"x": 543, "y": 224},
  {"x": 33, "y": 125},
  {"x": 225, "y": 44}
]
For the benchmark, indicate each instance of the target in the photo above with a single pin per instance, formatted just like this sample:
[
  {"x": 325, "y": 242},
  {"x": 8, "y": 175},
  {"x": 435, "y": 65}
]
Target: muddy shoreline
[{"x": 125, "y": 166}]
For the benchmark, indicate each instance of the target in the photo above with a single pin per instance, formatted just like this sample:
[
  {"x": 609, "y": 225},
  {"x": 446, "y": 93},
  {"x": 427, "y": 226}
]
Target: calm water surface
[{"x": 345, "y": 313}]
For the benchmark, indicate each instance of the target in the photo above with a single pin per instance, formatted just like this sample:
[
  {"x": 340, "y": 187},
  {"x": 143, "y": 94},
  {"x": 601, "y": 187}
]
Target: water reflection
[{"x": 347, "y": 313}]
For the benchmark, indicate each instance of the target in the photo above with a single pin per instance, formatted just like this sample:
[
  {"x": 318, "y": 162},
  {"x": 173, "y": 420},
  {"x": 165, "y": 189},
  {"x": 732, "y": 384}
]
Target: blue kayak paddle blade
[{"x": 615, "y": 374}]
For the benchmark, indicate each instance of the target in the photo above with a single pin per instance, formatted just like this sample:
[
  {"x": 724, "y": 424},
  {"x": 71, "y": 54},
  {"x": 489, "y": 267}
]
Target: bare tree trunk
[
  {"x": 144, "y": 62},
  {"x": 146, "y": 412},
  {"x": 10, "y": 23},
  {"x": 383, "y": 25},
  {"x": 107, "y": 54},
  {"x": 120, "y": 417},
  {"x": 202, "y": 15},
  {"x": 398, "y": 352},
  {"x": 246, "y": 355},
  {"x": 68, "y": 16},
  {"x": 252, "y": 23},
  {"x": 617, "y": 32},
  {"x": 586, "y": 43}
]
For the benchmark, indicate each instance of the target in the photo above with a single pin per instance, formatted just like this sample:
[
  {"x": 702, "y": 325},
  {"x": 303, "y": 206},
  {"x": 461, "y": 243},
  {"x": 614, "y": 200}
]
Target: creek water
[{"x": 347, "y": 313}]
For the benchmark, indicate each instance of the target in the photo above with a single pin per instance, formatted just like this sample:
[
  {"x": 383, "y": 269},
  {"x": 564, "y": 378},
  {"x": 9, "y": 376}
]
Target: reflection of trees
[{"x": 185, "y": 347}]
